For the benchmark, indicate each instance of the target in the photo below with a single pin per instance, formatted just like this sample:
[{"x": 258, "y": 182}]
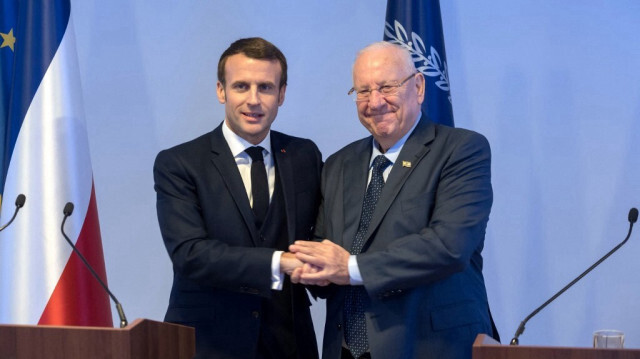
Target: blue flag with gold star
[
  {"x": 416, "y": 25},
  {"x": 8, "y": 18}
]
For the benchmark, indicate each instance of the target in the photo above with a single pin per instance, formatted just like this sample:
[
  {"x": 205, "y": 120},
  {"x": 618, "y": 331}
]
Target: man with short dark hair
[
  {"x": 229, "y": 203},
  {"x": 403, "y": 218}
]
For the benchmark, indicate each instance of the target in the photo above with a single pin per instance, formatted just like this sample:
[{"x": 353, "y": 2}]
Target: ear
[
  {"x": 421, "y": 87},
  {"x": 220, "y": 92},
  {"x": 283, "y": 89}
]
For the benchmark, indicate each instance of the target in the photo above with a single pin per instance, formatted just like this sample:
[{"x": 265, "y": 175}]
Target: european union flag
[
  {"x": 8, "y": 19},
  {"x": 417, "y": 26}
]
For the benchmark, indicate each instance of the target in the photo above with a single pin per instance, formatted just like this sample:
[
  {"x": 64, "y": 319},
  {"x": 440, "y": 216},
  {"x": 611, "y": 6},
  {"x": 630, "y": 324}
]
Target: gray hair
[{"x": 403, "y": 54}]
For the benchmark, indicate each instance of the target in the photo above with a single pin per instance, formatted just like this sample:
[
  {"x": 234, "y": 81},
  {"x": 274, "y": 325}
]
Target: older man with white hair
[{"x": 402, "y": 225}]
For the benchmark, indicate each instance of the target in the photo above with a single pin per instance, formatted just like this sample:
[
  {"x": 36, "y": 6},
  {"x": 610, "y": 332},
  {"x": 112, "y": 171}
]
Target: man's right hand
[
  {"x": 296, "y": 276},
  {"x": 289, "y": 262}
]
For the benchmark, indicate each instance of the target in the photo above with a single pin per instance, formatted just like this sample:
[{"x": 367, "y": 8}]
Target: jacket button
[
  {"x": 339, "y": 326},
  {"x": 255, "y": 314}
]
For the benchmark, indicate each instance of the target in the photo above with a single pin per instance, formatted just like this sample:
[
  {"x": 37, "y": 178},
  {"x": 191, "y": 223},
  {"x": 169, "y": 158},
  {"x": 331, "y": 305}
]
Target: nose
[
  {"x": 253, "y": 97},
  {"x": 376, "y": 99}
]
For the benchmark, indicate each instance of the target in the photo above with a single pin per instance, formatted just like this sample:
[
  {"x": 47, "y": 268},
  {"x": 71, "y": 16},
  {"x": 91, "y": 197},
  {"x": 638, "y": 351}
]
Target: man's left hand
[{"x": 331, "y": 259}]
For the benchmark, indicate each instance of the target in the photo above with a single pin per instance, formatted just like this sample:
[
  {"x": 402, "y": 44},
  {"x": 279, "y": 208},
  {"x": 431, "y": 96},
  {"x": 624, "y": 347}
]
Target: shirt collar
[
  {"x": 392, "y": 153},
  {"x": 238, "y": 144}
]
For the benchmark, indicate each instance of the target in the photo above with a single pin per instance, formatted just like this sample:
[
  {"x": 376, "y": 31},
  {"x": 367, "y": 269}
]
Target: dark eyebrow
[
  {"x": 267, "y": 83},
  {"x": 259, "y": 84}
]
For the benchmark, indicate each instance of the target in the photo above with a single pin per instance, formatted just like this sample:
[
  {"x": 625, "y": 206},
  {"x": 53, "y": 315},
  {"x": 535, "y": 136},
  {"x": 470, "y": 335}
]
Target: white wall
[{"x": 555, "y": 86}]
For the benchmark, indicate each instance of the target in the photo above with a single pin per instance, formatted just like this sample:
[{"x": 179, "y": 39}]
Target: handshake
[{"x": 316, "y": 263}]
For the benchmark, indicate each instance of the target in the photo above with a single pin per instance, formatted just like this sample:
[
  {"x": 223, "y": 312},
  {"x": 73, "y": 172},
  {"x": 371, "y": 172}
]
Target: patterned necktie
[
  {"x": 259, "y": 184},
  {"x": 355, "y": 324}
]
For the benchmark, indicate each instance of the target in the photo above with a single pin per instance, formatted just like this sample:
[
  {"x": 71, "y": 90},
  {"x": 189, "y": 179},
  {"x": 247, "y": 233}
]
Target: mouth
[
  {"x": 253, "y": 116},
  {"x": 378, "y": 116}
]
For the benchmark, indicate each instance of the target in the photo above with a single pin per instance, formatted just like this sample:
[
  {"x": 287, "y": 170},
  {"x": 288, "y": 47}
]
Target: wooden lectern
[
  {"x": 142, "y": 339},
  {"x": 486, "y": 347}
]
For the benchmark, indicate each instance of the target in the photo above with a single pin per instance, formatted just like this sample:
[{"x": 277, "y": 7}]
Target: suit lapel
[
  {"x": 355, "y": 174},
  {"x": 224, "y": 163},
  {"x": 413, "y": 151},
  {"x": 284, "y": 167}
]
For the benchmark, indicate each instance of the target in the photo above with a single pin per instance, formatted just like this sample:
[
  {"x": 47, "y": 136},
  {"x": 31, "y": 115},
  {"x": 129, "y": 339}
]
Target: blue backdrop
[{"x": 555, "y": 86}]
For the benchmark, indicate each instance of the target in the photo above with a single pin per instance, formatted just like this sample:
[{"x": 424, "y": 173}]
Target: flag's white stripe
[{"x": 51, "y": 166}]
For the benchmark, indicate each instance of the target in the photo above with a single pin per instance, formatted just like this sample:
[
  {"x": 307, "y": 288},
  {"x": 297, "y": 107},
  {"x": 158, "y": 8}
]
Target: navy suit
[
  {"x": 421, "y": 264},
  {"x": 221, "y": 260}
]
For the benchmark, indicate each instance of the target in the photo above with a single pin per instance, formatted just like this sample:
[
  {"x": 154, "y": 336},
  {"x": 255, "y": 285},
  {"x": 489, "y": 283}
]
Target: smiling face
[
  {"x": 251, "y": 95},
  {"x": 389, "y": 117}
]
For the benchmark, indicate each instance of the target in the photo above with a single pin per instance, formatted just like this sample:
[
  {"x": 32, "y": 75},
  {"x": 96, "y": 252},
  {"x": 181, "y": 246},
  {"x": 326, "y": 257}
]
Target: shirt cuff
[
  {"x": 354, "y": 272},
  {"x": 277, "y": 278}
]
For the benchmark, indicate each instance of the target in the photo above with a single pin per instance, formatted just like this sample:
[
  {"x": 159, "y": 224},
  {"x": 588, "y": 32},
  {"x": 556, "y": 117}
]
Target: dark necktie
[
  {"x": 259, "y": 184},
  {"x": 355, "y": 324}
]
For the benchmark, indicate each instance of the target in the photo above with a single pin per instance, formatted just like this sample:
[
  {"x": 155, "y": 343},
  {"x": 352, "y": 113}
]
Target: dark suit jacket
[
  {"x": 221, "y": 273},
  {"x": 421, "y": 265}
]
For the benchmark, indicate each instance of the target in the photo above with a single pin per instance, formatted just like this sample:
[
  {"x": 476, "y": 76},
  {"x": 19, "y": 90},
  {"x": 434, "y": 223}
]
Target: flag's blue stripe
[
  {"x": 40, "y": 28},
  {"x": 8, "y": 19}
]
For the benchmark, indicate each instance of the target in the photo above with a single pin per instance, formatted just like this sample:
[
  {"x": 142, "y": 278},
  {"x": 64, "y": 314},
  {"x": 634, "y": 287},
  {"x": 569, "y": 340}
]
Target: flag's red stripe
[{"x": 78, "y": 298}]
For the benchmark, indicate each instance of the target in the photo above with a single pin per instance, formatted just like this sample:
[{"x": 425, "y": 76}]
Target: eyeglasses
[{"x": 386, "y": 90}]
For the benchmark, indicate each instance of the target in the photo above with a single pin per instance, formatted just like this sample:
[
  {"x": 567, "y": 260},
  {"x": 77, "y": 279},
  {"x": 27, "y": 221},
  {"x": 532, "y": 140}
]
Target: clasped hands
[{"x": 316, "y": 263}]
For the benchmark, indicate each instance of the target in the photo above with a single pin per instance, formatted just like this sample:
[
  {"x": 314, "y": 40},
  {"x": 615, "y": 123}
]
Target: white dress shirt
[{"x": 237, "y": 145}]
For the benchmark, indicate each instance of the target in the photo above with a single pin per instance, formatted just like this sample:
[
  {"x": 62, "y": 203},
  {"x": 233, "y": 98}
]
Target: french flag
[{"x": 46, "y": 157}]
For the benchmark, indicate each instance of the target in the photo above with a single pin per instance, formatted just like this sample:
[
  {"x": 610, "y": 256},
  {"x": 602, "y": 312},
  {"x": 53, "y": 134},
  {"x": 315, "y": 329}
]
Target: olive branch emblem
[{"x": 431, "y": 65}]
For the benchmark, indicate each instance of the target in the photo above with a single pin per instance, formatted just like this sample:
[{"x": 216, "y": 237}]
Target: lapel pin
[
  {"x": 283, "y": 150},
  {"x": 406, "y": 164}
]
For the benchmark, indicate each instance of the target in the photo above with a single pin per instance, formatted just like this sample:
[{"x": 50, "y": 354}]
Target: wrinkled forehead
[{"x": 379, "y": 65}]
